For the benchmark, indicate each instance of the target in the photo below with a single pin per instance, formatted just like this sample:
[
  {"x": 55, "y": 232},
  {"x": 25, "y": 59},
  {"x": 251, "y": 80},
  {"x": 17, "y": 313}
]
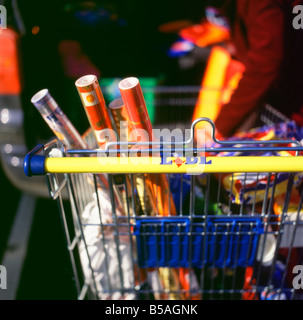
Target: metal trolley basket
[{"x": 231, "y": 237}]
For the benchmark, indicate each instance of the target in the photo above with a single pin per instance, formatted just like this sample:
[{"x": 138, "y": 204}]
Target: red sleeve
[{"x": 265, "y": 32}]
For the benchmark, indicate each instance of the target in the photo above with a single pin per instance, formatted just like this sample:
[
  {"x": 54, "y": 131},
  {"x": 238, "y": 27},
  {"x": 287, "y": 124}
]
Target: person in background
[{"x": 271, "y": 49}]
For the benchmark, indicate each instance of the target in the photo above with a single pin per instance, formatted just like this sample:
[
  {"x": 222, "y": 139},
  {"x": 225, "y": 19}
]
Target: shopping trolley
[{"x": 225, "y": 242}]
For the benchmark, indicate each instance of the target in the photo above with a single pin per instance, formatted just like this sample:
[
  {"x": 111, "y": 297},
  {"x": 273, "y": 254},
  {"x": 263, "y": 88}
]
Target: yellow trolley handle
[
  {"x": 39, "y": 165},
  {"x": 35, "y": 164},
  {"x": 194, "y": 165}
]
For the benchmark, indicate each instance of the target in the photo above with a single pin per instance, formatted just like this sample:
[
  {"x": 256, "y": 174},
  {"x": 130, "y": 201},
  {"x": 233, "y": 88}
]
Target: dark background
[{"x": 127, "y": 45}]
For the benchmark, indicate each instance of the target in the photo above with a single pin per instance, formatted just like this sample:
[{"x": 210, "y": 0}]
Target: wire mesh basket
[{"x": 235, "y": 232}]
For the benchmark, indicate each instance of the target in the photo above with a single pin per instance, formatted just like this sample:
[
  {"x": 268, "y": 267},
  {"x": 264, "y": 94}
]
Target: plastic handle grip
[{"x": 33, "y": 163}]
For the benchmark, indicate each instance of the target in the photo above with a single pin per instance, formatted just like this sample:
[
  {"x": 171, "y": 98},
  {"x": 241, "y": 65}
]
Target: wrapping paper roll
[
  {"x": 57, "y": 120},
  {"x": 170, "y": 281},
  {"x": 62, "y": 127},
  {"x": 140, "y": 124},
  {"x": 124, "y": 127},
  {"x": 189, "y": 282},
  {"x": 94, "y": 104},
  {"x": 133, "y": 99},
  {"x": 97, "y": 113},
  {"x": 132, "y": 96},
  {"x": 121, "y": 118},
  {"x": 146, "y": 198}
]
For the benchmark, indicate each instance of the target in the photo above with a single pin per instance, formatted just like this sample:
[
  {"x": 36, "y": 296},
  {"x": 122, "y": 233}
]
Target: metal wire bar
[
  {"x": 219, "y": 193},
  {"x": 129, "y": 228},
  {"x": 255, "y": 195},
  {"x": 242, "y": 202},
  {"x": 73, "y": 198},
  {"x": 103, "y": 236},
  {"x": 280, "y": 230},
  {"x": 191, "y": 139},
  {"x": 292, "y": 241},
  {"x": 116, "y": 233},
  {"x": 67, "y": 233},
  {"x": 230, "y": 194},
  {"x": 267, "y": 225}
]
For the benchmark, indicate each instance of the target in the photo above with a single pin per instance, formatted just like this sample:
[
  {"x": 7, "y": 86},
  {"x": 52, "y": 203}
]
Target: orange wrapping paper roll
[
  {"x": 133, "y": 99},
  {"x": 119, "y": 113},
  {"x": 122, "y": 122},
  {"x": 148, "y": 205},
  {"x": 94, "y": 104},
  {"x": 189, "y": 282},
  {"x": 95, "y": 108},
  {"x": 132, "y": 96},
  {"x": 143, "y": 182}
]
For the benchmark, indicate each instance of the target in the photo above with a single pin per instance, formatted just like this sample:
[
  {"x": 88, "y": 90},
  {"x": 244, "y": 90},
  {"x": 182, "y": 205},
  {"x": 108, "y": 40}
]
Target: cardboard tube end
[
  {"x": 86, "y": 80},
  {"x": 128, "y": 83}
]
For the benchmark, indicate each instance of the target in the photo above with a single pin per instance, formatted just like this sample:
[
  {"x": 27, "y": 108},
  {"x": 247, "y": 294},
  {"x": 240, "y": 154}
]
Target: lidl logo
[
  {"x": 166, "y": 159},
  {"x": 179, "y": 162}
]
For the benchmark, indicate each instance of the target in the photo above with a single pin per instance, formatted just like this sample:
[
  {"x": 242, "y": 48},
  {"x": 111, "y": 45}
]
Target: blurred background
[{"x": 52, "y": 44}]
